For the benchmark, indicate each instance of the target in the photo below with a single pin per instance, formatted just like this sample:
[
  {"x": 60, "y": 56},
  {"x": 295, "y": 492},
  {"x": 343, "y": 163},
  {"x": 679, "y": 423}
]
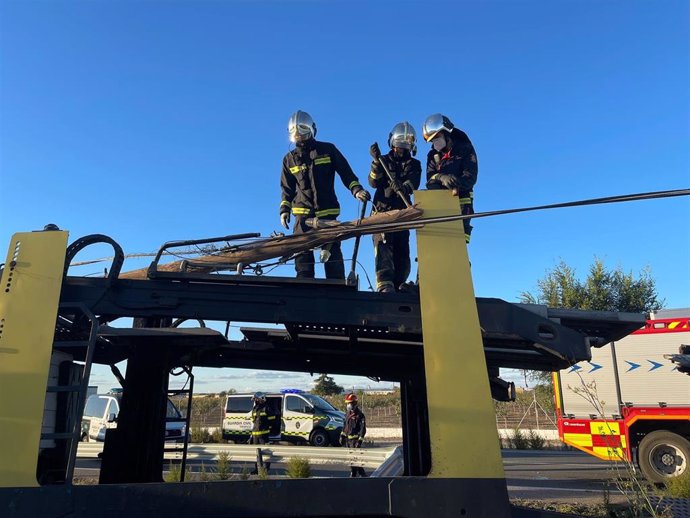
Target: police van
[
  {"x": 301, "y": 418},
  {"x": 101, "y": 411}
]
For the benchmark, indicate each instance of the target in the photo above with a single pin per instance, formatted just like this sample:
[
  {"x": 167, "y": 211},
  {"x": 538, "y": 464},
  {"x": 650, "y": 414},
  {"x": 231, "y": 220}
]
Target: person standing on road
[
  {"x": 262, "y": 418},
  {"x": 451, "y": 163},
  {"x": 392, "y": 249},
  {"x": 354, "y": 430},
  {"x": 307, "y": 183}
]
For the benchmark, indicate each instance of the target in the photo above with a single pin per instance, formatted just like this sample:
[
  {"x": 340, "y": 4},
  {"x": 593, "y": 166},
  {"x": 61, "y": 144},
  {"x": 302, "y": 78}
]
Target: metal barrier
[{"x": 364, "y": 457}]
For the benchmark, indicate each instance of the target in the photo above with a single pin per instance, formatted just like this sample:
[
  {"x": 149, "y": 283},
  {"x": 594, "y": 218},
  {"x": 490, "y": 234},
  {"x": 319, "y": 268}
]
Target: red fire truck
[{"x": 630, "y": 402}]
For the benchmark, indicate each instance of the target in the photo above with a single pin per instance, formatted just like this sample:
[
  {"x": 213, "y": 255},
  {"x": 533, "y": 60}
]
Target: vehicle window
[
  {"x": 239, "y": 405},
  {"x": 297, "y": 404},
  {"x": 114, "y": 408},
  {"x": 95, "y": 406},
  {"x": 173, "y": 412},
  {"x": 318, "y": 402}
]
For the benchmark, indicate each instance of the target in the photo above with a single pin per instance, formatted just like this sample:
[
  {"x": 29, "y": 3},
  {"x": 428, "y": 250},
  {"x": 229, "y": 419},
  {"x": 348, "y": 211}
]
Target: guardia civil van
[{"x": 302, "y": 418}]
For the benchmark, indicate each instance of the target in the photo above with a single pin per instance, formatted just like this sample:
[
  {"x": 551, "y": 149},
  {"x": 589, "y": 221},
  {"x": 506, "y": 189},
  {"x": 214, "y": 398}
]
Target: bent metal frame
[{"x": 443, "y": 346}]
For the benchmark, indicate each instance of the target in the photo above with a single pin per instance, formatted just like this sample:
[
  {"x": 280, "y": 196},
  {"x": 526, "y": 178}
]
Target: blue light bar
[{"x": 291, "y": 391}]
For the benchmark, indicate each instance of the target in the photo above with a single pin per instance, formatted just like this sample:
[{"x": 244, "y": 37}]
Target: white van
[
  {"x": 101, "y": 411},
  {"x": 302, "y": 418}
]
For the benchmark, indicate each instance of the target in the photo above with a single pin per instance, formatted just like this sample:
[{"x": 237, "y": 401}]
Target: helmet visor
[
  {"x": 300, "y": 132},
  {"x": 432, "y": 125}
]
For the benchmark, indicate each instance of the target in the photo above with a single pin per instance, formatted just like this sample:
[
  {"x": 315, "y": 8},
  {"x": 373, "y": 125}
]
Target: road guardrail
[{"x": 365, "y": 457}]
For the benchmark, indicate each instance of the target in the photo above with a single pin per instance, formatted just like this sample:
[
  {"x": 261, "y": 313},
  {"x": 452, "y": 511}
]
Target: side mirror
[
  {"x": 112, "y": 418},
  {"x": 309, "y": 410}
]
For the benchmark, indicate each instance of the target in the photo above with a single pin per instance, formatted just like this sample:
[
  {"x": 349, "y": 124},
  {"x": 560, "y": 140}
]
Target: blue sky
[{"x": 153, "y": 121}]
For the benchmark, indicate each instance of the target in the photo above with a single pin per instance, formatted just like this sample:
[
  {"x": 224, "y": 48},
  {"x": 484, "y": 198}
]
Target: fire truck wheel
[
  {"x": 663, "y": 455},
  {"x": 319, "y": 437}
]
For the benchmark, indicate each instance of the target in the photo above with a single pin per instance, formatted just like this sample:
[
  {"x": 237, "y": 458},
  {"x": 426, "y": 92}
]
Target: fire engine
[{"x": 630, "y": 403}]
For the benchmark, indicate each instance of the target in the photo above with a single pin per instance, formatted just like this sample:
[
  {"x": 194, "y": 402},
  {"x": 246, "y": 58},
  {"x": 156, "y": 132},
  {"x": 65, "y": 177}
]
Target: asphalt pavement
[{"x": 548, "y": 475}]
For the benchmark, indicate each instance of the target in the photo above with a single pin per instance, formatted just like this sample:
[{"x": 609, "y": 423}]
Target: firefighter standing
[
  {"x": 307, "y": 184},
  {"x": 392, "y": 250},
  {"x": 451, "y": 163},
  {"x": 354, "y": 430},
  {"x": 262, "y": 419}
]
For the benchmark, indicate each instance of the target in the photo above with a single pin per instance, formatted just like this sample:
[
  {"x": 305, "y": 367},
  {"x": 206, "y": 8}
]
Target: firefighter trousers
[
  {"x": 304, "y": 262},
  {"x": 356, "y": 471},
  {"x": 392, "y": 258}
]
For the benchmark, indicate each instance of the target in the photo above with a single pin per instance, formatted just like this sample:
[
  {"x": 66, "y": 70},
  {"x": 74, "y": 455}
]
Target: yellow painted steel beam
[
  {"x": 29, "y": 298},
  {"x": 462, "y": 423}
]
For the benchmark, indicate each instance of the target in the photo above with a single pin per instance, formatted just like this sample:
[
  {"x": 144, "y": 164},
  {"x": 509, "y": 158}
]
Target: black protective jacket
[
  {"x": 308, "y": 177},
  {"x": 404, "y": 168},
  {"x": 355, "y": 426},
  {"x": 460, "y": 161},
  {"x": 262, "y": 418}
]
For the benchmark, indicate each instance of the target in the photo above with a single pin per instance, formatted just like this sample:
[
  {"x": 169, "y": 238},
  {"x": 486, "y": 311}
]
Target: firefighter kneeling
[{"x": 354, "y": 430}]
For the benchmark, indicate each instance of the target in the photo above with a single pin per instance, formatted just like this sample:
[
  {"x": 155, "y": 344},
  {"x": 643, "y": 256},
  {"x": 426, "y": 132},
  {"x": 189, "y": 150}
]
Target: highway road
[{"x": 548, "y": 475}]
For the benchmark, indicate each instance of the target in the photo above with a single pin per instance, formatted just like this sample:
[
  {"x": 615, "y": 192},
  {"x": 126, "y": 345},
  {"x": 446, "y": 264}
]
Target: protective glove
[
  {"x": 395, "y": 185},
  {"x": 342, "y": 440},
  {"x": 285, "y": 219},
  {"x": 362, "y": 195},
  {"x": 359, "y": 442},
  {"x": 407, "y": 187},
  {"x": 374, "y": 151},
  {"x": 449, "y": 181}
]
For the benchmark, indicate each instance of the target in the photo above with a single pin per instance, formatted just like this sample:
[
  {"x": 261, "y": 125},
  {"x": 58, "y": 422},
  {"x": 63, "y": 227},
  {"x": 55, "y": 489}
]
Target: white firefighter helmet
[{"x": 301, "y": 127}]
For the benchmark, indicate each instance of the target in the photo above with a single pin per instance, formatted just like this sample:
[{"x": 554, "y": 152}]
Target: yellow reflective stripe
[
  {"x": 611, "y": 428},
  {"x": 465, "y": 201},
  {"x": 434, "y": 177},
  {"x": 260, "y": 433},
  {"x": 285, "y": 204},
  {"x": 375, "y": 176},
  {"x": 381, "y": 284},
  {"x": 301, "y": 211},
  {"x": 295, "y": 433},
  {"x": 467, "y": 239},
  {"x": 578, "y": 439},
  {"x": 327, "y": 212},
  {"x": 353, "y": 184},
  {"x": 322, "y": 160},
  {"x": 353, "y": 436},
  {"x": 297, "y": 168},
  {"x": 271, "y": 417},
  {"x": 608, "y": 452}
]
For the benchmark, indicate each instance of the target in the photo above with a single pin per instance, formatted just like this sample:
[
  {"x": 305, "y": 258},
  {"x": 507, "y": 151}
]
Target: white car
[{"x": 101, "y": 411}]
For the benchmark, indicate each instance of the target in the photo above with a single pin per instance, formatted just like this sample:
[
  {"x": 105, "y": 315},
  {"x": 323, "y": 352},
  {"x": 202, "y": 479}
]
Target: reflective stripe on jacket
[{"x": 307, "y": 180}]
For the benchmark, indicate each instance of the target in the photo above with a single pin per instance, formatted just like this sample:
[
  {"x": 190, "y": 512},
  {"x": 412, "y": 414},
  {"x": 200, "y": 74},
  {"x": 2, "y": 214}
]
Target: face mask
[
  {"x": 439, "y": 142},
  {"x": 349, "y": 407}
]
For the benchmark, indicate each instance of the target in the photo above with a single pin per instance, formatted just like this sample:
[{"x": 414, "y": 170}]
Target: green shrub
[
  {"x": 535, "y": 441},
  {"x": 203, "y": 474},
  {"x": 223, "y": 466},
  {"x": 298, "y": 467},
  {"x": 174, "y": 473},
  {"x": 216, "y": 436},
  {"x": 679, "y": 487},
  {"x": 200, "y": 435},
  {"x": 518, "y": 440}
]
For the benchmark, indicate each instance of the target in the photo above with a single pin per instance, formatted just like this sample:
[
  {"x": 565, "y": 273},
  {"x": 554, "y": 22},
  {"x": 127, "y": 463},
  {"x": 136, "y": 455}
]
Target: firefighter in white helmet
[
  {"x": 392, "y": 249},
  {"x": 451, "y": 163},
  {"x": 307, "y": 182}
]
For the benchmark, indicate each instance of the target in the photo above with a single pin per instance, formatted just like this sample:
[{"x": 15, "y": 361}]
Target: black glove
[
  {"x": 449, "y": 181},
  {"x": 362, "y": 194},
  {"x": 374, "y": 151},
  {"x": 395, "y": 185},
  {"x": 407, "y": 187},
  {"x": 342, "y": 440}
]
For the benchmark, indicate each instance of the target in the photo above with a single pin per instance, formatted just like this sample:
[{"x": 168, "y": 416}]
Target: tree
[
  {"x": 325, "y": 386},
  {"x": 602, "y": 290}
]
